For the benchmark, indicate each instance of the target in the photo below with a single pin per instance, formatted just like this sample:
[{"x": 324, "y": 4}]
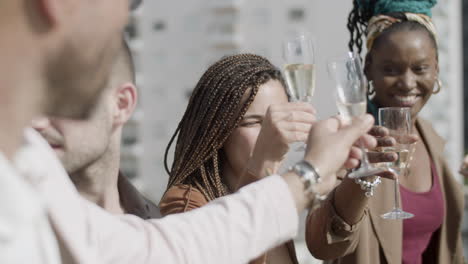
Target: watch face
[{"x": 301, "y": 170}]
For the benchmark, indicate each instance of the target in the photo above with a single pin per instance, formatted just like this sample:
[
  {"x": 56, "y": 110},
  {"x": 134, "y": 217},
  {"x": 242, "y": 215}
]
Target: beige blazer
[{"x": 374, "y": 240}]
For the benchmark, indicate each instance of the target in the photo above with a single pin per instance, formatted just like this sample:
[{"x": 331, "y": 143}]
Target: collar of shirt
[{"x": 134, "y": 202}]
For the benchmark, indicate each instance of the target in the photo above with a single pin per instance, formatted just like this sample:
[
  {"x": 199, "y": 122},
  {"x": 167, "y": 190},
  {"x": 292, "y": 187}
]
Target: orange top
[{"x": 182, "y": 198}]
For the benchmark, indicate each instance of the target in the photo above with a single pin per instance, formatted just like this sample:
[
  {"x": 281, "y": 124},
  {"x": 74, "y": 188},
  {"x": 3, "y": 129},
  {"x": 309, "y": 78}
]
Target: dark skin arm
[{"x": 351, "y": 210}]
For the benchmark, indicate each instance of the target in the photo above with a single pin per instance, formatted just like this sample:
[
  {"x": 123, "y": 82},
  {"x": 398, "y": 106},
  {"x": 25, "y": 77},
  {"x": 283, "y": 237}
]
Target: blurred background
[{"x": 174, "y": 42}]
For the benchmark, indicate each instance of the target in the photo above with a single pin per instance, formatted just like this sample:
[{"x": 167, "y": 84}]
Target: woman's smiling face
[{"x": 403, "y": 67}]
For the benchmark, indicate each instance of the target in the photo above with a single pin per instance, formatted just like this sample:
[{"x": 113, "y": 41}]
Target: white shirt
[
  {"x": 230, "y": 230},
  {"x": 25, "y": 233}
]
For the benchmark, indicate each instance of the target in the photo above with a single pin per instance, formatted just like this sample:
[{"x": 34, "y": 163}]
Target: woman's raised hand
[{"x": 283, "y": 125}]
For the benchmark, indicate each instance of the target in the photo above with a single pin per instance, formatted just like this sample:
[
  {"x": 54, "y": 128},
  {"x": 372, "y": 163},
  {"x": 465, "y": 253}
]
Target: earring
[
  {"x": 439, "y": 86},
  {"x": 370, "y": 89}
]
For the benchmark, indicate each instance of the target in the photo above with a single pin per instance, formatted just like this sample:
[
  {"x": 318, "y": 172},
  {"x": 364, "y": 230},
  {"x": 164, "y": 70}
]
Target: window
[{"x": 296, "y": 14}]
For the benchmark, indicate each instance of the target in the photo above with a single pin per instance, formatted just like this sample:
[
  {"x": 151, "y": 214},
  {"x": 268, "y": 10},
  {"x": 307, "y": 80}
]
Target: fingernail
[{"x": 389, "y": 156}]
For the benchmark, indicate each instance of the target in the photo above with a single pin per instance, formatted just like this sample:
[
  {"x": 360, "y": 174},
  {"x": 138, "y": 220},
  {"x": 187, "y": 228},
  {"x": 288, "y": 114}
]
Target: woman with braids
[
  {"x": 239, "y": 99},
  {"x": 402, "y": 64}
]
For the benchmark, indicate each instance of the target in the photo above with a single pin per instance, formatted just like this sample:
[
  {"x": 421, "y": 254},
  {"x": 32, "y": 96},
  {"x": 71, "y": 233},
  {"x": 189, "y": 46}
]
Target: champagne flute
[
  {"x": 299, "y": 68},
  {"x": 398, "y": 122},
  {"x": 351, "y": 100}
]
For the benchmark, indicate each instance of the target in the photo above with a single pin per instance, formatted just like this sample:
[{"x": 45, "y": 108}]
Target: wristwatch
[
  {"x": 310, "y": 178},
  {"x": 308, "y": 174}
]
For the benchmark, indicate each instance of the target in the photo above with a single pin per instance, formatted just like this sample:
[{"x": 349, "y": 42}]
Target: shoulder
[
  {"x": 425, "y": 125},
  {"x": 181, "y": 198},
  {"x": 428, "y": 129},
  {"x": 433, "y": 140},
  {"x": 38, "y": 161}
]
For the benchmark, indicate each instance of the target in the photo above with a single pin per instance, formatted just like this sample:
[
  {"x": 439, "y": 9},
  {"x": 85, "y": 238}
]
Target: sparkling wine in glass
[
  {"x": 398, "y": 121},
  {"x": 403, "y": 153},
  {"x": 300, "y": 80},
  {"x": 351, "y": 100},
  {"x": 299, "y": 68}
]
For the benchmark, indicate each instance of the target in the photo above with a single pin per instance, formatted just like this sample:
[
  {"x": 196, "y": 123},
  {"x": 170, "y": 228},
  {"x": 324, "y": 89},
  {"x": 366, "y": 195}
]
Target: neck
[
  {"x": 232, "y": 178},
  {"x": 21, "y": 94},
  {"x": 98, "y": 182}
]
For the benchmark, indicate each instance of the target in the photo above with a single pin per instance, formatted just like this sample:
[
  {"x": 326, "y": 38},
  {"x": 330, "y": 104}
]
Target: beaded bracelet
[{"x": 367, "y": 186}]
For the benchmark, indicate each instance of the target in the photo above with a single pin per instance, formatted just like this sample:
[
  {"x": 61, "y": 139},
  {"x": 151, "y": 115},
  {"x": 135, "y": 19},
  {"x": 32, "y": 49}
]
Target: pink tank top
[{"x": 428, "y": 208}]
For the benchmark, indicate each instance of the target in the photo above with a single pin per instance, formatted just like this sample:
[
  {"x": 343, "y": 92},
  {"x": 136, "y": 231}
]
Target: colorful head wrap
[
  {"x": 400, "y": 6},
  {"x": 379, "y": 23},
  {"x": 418, "y": 11}
]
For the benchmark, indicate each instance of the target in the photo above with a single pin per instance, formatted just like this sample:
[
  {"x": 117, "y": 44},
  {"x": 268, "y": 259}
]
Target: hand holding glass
[
  {"x": 398, "y": 122},
  {"x": 299, "y": 68},
  {"x": 351, "y": 99}
]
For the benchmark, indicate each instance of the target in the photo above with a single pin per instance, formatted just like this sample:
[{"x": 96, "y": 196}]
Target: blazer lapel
[
  {"x": 451, "y": 190},
  {"x": 435, "y": 145},
  {"x": 390, "y": 232}
]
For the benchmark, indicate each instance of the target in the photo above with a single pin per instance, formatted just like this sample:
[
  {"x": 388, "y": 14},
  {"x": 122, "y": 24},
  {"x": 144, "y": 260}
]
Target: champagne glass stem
[
  {"x": 397, "y": 193},
  {"x": 365, "y": 158}
]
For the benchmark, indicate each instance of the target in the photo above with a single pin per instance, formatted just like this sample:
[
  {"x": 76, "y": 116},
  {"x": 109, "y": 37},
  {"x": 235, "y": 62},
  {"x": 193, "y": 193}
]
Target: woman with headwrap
[{"x": 402, "y": 64}]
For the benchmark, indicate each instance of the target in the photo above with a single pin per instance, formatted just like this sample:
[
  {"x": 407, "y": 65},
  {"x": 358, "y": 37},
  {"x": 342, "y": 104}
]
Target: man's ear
[
  {"x": 52, "y": 11},
  {"x": 126, "y": 102}
]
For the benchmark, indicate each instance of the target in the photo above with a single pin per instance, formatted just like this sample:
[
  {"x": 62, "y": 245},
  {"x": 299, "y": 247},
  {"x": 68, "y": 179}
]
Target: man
[
  {"x": 42, "y": 51},
  {"x": 50, "y": 37},
  {"x": 56, "y": 58},
  {"x": 90, "y": 149}
]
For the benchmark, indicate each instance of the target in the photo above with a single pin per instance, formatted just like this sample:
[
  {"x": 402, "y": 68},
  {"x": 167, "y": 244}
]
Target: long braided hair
[
  {"x": 363, "y": 11},
  {"x": 357, "y": 23},
  {"x": 217, "y": 105}
]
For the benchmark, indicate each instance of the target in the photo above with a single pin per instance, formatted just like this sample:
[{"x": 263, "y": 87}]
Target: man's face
[
  {"x": 80, "y": 143},
  {"x": 78, "y": 68}
]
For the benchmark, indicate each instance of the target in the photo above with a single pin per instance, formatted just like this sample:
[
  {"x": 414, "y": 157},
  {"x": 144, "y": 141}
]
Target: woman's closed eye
[
  {"x": 251, "y": 120},
  {"x": 251, "y": 123}
]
